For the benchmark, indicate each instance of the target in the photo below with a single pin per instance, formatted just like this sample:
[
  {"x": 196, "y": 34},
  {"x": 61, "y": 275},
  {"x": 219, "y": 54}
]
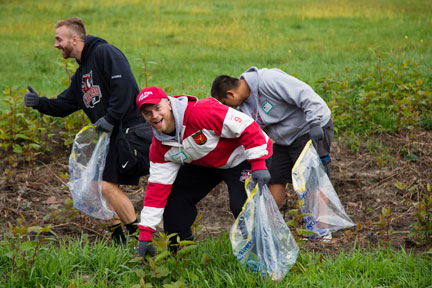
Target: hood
[
  {"x": 91, "y": 42},
  {"x": 251, "y": 76},
  {"x": 178, "y": 105}
]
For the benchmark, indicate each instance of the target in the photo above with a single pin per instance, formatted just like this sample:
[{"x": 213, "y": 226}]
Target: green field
[{"x": 191, "y": 42}]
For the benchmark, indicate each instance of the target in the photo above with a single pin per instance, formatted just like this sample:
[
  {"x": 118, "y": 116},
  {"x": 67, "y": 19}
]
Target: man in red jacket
[{"x": 196, "y": 145}]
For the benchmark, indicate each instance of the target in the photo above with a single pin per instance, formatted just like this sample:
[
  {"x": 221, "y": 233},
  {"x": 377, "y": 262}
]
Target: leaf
[
  {"x": 36, "y": 229},
  {"x": 187, "y": 250},
  {"x": 28, "y": 245},
  {"x": 304, "y": 232},
  {"x": 136, "y": 260},
  {"x": 22, "y": 136},
  {"x": 19, "y": 230},
  {"x": 10, "y": 254},
  {"x": 17, "y": 148},
  {"x": 292, "y": 211},
  {"x": 161, "y": 256},
  {"x": 140, "y": 273},
  {"x": 34, "y": 146},
  {"x": 400, "y": 185},
  {"x": 187, "y": 242},
  {"x": 162, "y": 271}
]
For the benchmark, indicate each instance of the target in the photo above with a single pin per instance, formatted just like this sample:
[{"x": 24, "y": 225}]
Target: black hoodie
[{"x": 103, "y": 86}]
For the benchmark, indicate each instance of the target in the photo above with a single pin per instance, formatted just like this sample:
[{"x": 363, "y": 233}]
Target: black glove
[
  {"x": 103, "y": 125},
  {"x": 262, "y": 177},
  {"x": 316, "y": 133},
  {"x": 145, "y": 247},
  {"x": 31, "y": 99}
]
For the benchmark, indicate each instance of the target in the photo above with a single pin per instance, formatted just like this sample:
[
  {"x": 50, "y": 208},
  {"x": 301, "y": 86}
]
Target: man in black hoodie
[{"x": 104, "y": 87}]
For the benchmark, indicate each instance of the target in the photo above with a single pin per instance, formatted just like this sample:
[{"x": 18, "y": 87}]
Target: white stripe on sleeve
[
  {"x": 151, "y": 216},
  {"x": 256, "y": 152},
  {"x": 235, "y": 123},
  {"x": 163, "y": 173}
]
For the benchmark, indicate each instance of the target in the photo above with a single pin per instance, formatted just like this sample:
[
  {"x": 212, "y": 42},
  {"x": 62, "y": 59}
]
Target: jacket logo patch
[
  {"x": 91, "y": 93},
  {"x": 267, "y": 107},
  {"x": 179, "y": 157},
  {"x": 199, "y": 138}
]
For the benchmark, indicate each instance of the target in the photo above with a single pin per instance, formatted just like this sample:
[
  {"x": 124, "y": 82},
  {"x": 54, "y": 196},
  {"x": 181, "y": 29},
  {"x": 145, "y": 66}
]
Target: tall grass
[{"x": 99, "y": 265}]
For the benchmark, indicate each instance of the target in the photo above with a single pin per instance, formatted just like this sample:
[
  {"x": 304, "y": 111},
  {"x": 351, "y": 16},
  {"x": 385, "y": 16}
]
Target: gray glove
[
  {"x": 316, "y": 133},
  {"x": 103, "y": 125},
  {"x": 262, "y": 177},
  {"x": 145, "y": 247},
  {"x": 31, "y": 99}
]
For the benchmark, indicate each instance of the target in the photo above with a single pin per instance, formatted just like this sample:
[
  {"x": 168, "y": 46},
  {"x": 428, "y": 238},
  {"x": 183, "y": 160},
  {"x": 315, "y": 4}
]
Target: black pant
[{"x": 192, "y": 184}]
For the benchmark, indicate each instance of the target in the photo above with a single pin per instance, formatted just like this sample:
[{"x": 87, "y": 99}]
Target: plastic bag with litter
[
  {"x": 318, "y": 197},
  {"x": 86, "y": 165},
  {"x": 260, "y": 238}
]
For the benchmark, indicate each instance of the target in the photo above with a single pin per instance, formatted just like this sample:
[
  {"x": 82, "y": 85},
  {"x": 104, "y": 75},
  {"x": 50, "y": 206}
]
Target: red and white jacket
[{"x": 213, "y": 135}]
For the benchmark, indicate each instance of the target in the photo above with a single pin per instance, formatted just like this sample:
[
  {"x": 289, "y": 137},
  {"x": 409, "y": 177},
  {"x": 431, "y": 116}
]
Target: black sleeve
[
  {"x": 62, "y": 106},
  {"x": 122, "y": 84}
]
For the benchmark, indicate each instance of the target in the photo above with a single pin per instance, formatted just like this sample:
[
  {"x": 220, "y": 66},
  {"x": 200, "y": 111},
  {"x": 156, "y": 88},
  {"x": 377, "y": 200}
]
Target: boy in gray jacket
[{"x": 288, "y": 110}]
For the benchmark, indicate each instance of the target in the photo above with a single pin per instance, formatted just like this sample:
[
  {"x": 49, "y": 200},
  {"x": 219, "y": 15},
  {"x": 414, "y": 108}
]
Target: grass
[
  {"x": 97, "y": 264},
  {"x": 194, "y": 41}
]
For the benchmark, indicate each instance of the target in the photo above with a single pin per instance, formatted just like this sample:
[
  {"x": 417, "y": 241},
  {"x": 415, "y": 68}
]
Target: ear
[
  {"x": 75, "y": 39},
  {"x": 230, "y": 94}
]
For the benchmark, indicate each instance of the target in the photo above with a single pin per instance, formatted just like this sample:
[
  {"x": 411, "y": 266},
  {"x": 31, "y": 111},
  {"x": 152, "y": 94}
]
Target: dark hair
[
  {"x": 75, "y": 24},
  {"x": 222, "y": 84}
]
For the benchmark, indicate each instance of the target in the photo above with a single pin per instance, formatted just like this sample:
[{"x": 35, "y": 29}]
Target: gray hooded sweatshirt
[
  {"x": 283, "y": 106},
  {"x": 178, "y": 105}
]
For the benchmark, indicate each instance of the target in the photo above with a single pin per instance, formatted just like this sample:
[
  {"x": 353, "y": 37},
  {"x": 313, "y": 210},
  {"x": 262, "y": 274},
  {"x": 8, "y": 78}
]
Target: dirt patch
[{"x": 366, "y": 181}]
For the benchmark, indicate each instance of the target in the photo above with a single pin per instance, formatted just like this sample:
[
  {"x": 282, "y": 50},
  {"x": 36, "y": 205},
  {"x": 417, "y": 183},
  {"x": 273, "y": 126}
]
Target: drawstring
[{"x": 180, "y": 151}]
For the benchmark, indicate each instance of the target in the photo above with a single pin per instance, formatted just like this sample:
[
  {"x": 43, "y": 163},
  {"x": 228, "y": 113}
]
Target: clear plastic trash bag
[
  {"x": 86, "y": 165},
  {"x": 314, "y": 189},
  {"x": 260, "y": 238}
]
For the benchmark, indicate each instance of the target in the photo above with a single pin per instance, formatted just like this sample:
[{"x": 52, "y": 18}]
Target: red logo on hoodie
[
  {"x": 92, "y": 94},
  {"x": 199, "y": 138}
]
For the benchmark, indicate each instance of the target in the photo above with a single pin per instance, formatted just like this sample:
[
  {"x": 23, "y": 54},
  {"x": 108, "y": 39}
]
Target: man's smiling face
[
  {"x": 159, "y": 116},
  {"x": 65, "y": 42}
]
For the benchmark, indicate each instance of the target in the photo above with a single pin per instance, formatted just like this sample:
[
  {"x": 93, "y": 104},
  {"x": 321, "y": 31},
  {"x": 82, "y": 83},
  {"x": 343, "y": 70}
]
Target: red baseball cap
[{"x": 150, "y": 95}]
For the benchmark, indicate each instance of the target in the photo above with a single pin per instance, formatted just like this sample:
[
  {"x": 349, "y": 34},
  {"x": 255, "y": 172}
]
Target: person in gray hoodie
[{"x": 288, "y": 110}]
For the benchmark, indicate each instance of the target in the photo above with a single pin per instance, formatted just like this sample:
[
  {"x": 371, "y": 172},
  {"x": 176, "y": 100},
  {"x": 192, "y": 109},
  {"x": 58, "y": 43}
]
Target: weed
[
  {"x": 421, "y": 229},
  {"x": 384, "y": 222},
  {"x": 22, "y": 249},
  {"x": 146, "y": 72},
  {"x": 386, "y": 99}
]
